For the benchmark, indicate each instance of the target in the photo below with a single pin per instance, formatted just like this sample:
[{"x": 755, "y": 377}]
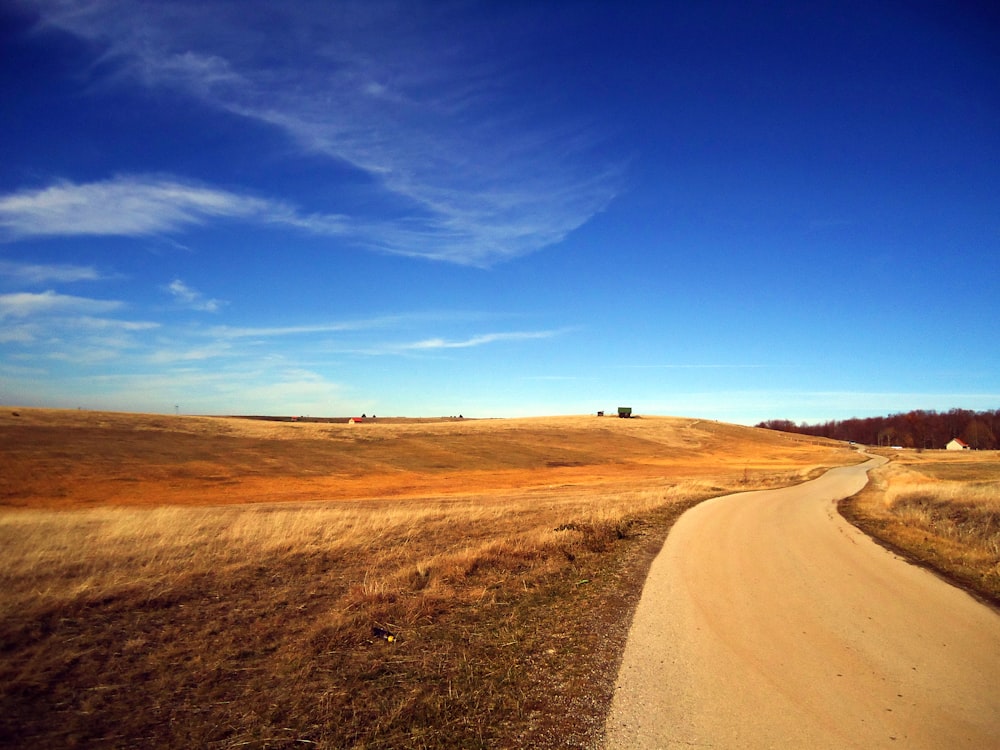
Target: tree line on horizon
[{"x": 919, "y": 428}]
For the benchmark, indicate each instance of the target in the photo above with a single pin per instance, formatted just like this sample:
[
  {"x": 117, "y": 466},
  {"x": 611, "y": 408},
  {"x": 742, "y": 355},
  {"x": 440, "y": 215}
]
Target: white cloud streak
[
  {"x": 420, "y": 98},
  {"x": 481, "y": 340},
  {"x": 696, "y": 367},
  {"x": 27, "y": 304},
  {"x": 112, "y": 324},
  {"x": 62, "y": 327},
  {"x": 37, "y": 273},
  {"x": 192, "y": 299},
  {"x": 197, "y": 354},
  {"x": 138, "y": 205},
  {"x": 234, "y": 332},
  {"x": 18, "y": 334}
]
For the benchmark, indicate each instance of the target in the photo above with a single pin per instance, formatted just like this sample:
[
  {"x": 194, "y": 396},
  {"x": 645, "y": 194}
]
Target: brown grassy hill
[
  {"x": 71, "y": 459},
  {"x": 213, "y": 582}
]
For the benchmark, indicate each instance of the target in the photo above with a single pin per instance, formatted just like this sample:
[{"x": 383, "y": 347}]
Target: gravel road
[{"x": 768, "y": 621}]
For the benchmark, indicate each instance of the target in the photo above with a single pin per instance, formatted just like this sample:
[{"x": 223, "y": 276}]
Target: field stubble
[{"x": 140, "y": 621}]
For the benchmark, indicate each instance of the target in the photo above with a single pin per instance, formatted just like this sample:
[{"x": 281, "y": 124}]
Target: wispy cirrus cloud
[
  {"x": 90, "y": 323},
  {"x": 25, "y": 304},
  {"x": 398, "y": 321},
  {"x": 429, "y": 103},
  {"x": 191, "y": 298},
  {"x": 480, "y": 340},
  {"x": 238, "y": 332},
  {"x": 189, "y": 354},
  {"x": 232, "y": 332},
  {"x": 24, "y": 333},
  {"x": 135, "y": 206},
  {"x": 370, "y": 348},
  {"x": 40, "y": 273},
  {"x": 53, "y": 327},
  {"x": 82, "y": 329},
  {"x": 680, "y": 366}
]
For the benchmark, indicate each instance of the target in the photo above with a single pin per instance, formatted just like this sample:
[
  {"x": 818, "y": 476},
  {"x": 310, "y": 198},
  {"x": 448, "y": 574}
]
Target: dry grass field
[
  {"x": 940, "y": 509},
  {"x": 223, "y": 583}
]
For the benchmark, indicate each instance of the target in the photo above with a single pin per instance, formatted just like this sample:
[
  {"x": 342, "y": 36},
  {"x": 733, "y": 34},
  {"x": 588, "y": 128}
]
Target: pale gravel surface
[{"x": 768, "y": 621}]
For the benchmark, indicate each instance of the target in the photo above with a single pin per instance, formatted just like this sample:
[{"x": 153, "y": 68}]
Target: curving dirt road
[{"x": 768, "y": 621}]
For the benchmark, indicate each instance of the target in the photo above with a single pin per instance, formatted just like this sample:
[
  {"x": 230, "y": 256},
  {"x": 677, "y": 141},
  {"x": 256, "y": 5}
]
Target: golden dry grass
[
  {"x": 941, "y": 509},
  {"x": 80, "y": 459},
  {"x": 187, "y": 582}
]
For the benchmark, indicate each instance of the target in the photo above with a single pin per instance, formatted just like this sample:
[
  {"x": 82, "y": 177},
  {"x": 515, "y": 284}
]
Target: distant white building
[{"x": 957, "y": 445}]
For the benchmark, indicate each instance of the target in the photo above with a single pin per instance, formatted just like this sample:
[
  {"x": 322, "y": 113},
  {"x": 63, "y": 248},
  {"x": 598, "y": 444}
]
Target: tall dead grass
[
  {"x": 218, "y": 627},
  {"x": 939, "y": 512},
  {"x": 47, "y": 557},
  {"x": 968, "y": 514},
  {"x": 504, "y": 567}
]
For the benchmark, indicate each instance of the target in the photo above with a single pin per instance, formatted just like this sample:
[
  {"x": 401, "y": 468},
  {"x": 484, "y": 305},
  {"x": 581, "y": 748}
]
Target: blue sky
[{"x": 726, "y": 210}]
